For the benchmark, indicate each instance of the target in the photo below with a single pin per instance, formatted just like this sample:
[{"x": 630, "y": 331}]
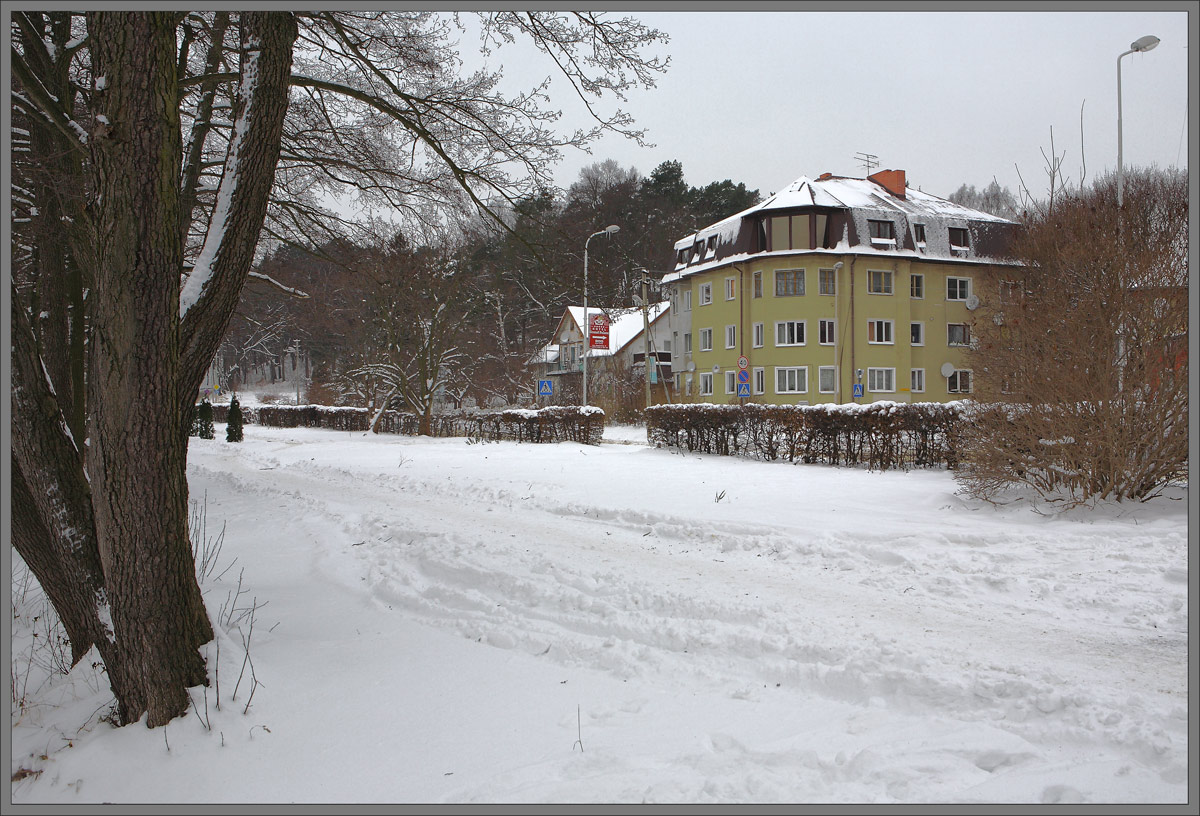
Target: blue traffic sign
[
  {"x": 545, "y": 388},
  {"x": 743, "y": 376},
  {"x": 743, "y": 390},
  {"x": 858, "y": 391}
]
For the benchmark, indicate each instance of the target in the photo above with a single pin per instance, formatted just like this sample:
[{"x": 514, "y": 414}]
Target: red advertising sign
[{"x": 598, "y": 331}]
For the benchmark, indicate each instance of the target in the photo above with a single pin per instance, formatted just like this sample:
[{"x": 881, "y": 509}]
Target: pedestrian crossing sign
[
  {"x": 858, "y": 391},
  {"x": 545, "y": 388},
  {"x": 743, "y": 389}
]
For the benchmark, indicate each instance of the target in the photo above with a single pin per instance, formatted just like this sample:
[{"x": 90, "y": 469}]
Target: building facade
[
  {"x": 833, "y": 290},
  {"x": 612, "y": 369}
]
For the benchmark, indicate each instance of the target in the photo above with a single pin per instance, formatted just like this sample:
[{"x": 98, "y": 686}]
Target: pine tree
[
  {"x": 233, "y": 426},
  {"x": 205, "y": 420}
]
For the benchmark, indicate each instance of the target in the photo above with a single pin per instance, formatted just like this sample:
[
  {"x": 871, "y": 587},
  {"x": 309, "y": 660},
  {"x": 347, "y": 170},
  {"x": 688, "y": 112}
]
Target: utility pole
[{"x": 650, "y": 362}]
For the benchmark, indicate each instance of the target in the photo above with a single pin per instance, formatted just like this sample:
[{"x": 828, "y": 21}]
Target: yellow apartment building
[{"x": 833, "y": 290}]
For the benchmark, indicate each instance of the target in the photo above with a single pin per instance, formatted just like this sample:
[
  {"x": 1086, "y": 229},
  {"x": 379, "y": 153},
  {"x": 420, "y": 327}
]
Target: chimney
[
  {"x": 824, "y": 176},
  {"x": 890, "y": 180}
]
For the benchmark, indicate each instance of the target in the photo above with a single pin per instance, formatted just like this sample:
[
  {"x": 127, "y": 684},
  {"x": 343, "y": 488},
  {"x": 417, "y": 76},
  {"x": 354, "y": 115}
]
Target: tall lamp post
[
  {"x": 1141, "y": 44},
  {"x": 609, "y": 230}
]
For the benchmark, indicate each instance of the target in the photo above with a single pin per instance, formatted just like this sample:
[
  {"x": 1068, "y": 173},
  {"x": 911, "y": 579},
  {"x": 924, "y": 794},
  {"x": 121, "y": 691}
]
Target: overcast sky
[{"x": 764, "y": 97}]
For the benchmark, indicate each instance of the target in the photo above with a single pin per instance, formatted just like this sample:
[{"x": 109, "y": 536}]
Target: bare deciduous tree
[{"x": 1081, "y": 349}]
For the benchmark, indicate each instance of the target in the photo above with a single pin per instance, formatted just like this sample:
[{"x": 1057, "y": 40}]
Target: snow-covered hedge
[
  {"x": 555, "y": 423},
  {"x": 880, "y": 435}
]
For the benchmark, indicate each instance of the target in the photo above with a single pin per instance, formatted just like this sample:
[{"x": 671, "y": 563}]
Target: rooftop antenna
[{"x": 869, "y": 161}]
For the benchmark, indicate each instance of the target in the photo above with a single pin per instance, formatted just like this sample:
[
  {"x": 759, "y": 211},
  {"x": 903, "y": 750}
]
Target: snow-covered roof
[
  {"x": 624, "y": 324},
  {"x": 865, "y": 199}
]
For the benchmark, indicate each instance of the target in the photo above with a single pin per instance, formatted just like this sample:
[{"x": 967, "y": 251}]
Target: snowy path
[{"x": 1004, "y": 642}]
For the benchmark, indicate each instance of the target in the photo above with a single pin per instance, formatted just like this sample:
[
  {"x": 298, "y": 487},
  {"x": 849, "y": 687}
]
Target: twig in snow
[{"x": 578, "y": 731}]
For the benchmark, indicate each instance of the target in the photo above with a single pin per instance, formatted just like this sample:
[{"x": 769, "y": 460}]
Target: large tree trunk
[{"x": 137, "y": 467}]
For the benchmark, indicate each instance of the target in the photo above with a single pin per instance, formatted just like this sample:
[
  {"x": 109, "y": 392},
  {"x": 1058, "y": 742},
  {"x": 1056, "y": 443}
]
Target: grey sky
[{"x": 764, "y": 97}]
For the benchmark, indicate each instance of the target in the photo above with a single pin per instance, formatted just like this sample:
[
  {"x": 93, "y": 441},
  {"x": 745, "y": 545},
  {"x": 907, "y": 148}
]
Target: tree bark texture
[{"x": 136, "y": 465}]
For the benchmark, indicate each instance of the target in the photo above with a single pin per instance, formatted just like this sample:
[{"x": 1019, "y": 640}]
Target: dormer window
[
  {"x": 919, "y": 235},
  {"x": 711, "y": 251},
  {"x": 883, "y": 233},
  {"x": 960, "y": 241}
]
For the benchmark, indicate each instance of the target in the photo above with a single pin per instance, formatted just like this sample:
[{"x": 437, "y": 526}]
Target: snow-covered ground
[{"x": 447, "y": 621}]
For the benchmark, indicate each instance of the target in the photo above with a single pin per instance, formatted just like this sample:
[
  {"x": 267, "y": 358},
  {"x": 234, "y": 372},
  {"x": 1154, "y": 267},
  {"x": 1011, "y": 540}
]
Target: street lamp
[
  {"x": 609, "y": 230},
  {"x": 1141, "y": 44}
]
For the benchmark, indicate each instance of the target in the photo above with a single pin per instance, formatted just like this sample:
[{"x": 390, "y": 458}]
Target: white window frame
[
  {"x": 760, "y": 335},
  {"x": 959, "y": 249},
  {"x": 731, "y": 288},
  {"x": 757, "y": 283},
  {"x": 916, "y": 380},
  {"x": 966, "y": 327},
  {"x": 706, "y": 339},
  {"x": 920, "y": 235},
  {"x": 731, "y": 336},
  {"x": 920, "y": 339},
  {"x": 706, "y": 293},
  {"x": 887, "y": 372},
  {"x": 800, "y": 372},
  {"x": 823, "y": 370},
  {"x": 954, "y": 381},
  {"x": 916, "y": 281},
  {"x": 887, "y": 282},
  {"x": 731, "y": 382},
  {"x": 799, "y": 277},
  {"x": 957, "y": 296},
  {"x": 687, "y": 300},
  {"x": 706, "y": 384},
  {"x": 760, "y": 380},
  {"x": 881, "y": 323},
  {"x": 780, "y": 324},
  {"x": 821, "y": 281},
  {"x": 687, "y": 342},
  {"x": 822, "y": 338}
]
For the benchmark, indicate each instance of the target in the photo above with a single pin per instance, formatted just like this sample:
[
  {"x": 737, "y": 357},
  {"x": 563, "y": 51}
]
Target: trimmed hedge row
[
  {"x": 554, "y": 423},
  {"x": 879, "y": 435}
]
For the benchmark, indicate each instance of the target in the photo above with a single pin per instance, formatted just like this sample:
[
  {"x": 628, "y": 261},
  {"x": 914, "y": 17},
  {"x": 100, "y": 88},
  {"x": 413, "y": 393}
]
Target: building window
[
  {"x": 879, "y": 331},
  {"x": 706, "y": 385},
  {"x": 827, "y": 332},
  {"x": 879, "y": 281},
  {"x": 827, "y": 281},
  {"x": 883, "y": 233},
  {"x": 705, "y": 294},
  {"x": 958, "y": 334},
  {"x": 881, "y": 379},
  {"x": 960, "y": 242},
  {"x": 958, "y": 288},
  {"x": 791, "y": 380},
  {"x": 758, "y": 284},
  {"x": 917, "y": 333},
  {"x": 827, "y": 379},
  {"x": 789, "y": 333},
  {"x": 959, "y": 382},
  {"x": 760, "y": 381},
  {"x": 687, "y": 384},
  {"x": 917, "y": 380},
  {"x": 711, "y": 250},
  {"x": 687, "y": 300},
  {"x": 789, "y": 282},
  {"x": 760, "y": 335},
  {"x": 706, "y": 339},
  {"x": 730, "y": 382},
  {"x": 916, "y": 286},
  {"x": 687, "y": 343},
  {"x": 730, "y": 288},
  {"x": 730, "y": 337},
  {"x": 919, "y": 234}
]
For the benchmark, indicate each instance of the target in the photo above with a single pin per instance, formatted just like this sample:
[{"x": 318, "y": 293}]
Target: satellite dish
[
  {"x": 691, "y": 366},
  {"x": 972, "y": 302},
  {"x": 947, "y": 369}
]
